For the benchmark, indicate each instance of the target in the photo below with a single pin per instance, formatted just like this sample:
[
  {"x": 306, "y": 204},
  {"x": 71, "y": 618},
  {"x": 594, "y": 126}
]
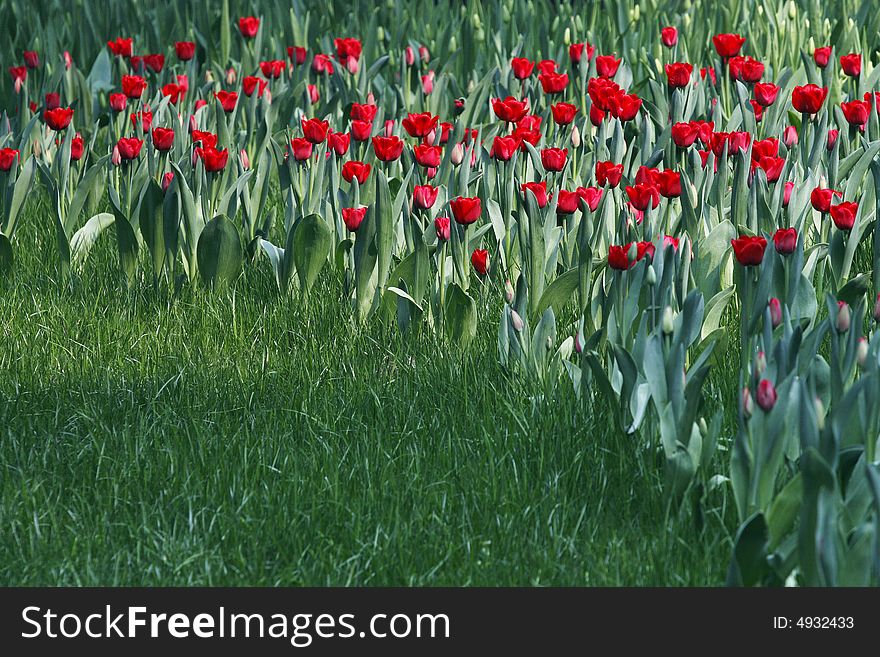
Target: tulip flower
[
  {"x": 553, "y": 83},
  {"x": 786, "y": 193},
  {"x": 213, "y": 159},
  {"x": 338, "y": 142},
  {"x": 843, "y": 317},
  {"x": 353, "y": 217},
  {"x": 785, "y": 240},
  {"x": 851, "y": 64},
  {"x": 185, "y": 50},
  {"x": 607, "y": 65},
  {"x": 355, "y": 170},
  {"x": 748, "y": 250},
  {"x": 53, "y": 100},
  {"x": 591, "y": 196},
  {"x": 510, "y": 109},
  {"x": 167, "y": 179},
  {"x": 8, "y": 156},
  {"x": 567, "y": 202},
  {"x": 766, "y": 395},
  {"x": 808, "y": 99},
  {"x": 272, "y": 69},
  {"x": 424, "y": 196},
  {"x": 790, "y": 136},
  {"x": 163, "y": 139},
  {"x": 388, "y": 149},
  {"x": 608, "y": 174},
  {"x": 442, "y": 227},
  {"x": 684, "y": 134},
  {"x": 668, "y": 182},
  {"x": 747, "y": 403},
  {"x": 538, "y": 190},
  {"x": 466, "y": 210},
  {"x": 553, "y": 159},
  {"x": 678, "y": 74},
  {"x": 133, "y": 86},
  {"x": 120, "y": 47},
  {"x": 745, "y": 69},
  {"x": 59, "y": 118},
  {"x": 248, "y": 26},
  {"x": 227, "y": 100},
  {"x": 480, "y": 261},
  {"x": 522, "y": 67},
  {"x": 618, "y": 257},
  {"x": 302, "y": 149},
  {"x": 297, "y": 55},
  {"x": 503, "y": 148},
  {"x": 669, "y": 37},
  {"x": 856, "y": 112},
  {"x": 833, "y": 134},
  {"x": 728, "y": 45},
  {"x": 844, "y": 214},
  {"x": 322, "y": 64},
  {"x": 643, "y": 195},
  {"x": 563, "y": 113},
  {"x": 427, "y": 156},
  {"x": 765, "y": 93},
  {"x": 31, "y": 59},
  {"x": 775, "y": 312},
  {"x": 347, "y": 48},
  {"x": 315, "y": 130},
  {"x": 129, "y": 147},
  {"x": 419, "y": 125},
  {"x": 822, "y": 56},
  {"x": 821, "y": 199}
]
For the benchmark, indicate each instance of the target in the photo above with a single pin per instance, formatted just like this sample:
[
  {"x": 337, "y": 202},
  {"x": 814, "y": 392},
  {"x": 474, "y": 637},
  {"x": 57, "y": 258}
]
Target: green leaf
[
  {"x": 784, "y": 511},
  {"x": 384, "y": 221},
  {"x": 21, "y": 191},
  {"x": 460, "y": 315},
  {"x": 276, "y": 259},
  {"x": 312, "y": 240},
  {"x": 126, "y": 240},
  {"x": 559, "y": 292},
  {"x": 152, "y": 225},
  {"x": 6, "y": 257},
  {"x": 83, "y": 239},
  {"x": 749, "y": 564},
  {"x": 219, "y": 251}
]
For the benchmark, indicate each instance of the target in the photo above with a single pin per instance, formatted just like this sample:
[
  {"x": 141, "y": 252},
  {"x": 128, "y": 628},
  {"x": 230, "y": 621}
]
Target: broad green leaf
[
  {"x": 219, "y": 251},
  {"x": 312, "y": 240}
]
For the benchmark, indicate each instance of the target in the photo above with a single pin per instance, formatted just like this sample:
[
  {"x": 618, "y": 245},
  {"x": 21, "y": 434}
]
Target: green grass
[{"x": 246, "y": 438}]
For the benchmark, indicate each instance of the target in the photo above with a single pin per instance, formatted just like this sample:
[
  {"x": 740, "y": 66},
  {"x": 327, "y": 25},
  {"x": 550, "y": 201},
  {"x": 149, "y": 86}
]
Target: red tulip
[
  {"x": 31, "y": 59},
  {"x": 844, "y": 214},
  {"x": 745, "y": 69},
  {"x": 510, "y": 109},
  {"x": 297, "y": 54},
  {"x": 626, "y": 107},
  {"x": 567, "y": 202},
  {"x": 608, "y": 173},
  {"x": 821, "y": 198},
  {"x": 833, "y": 134},
  {"x": 133, "y": 86},
  {"x": 642, "y": 195},
  {"x": 424, "y": 196},
  {"x": 851, "y": 64},
  {"x": 728, "y": 45},
  {"x": 733, "y": 141},
  {"x": 53, "y": 100},
  {"x": 250, "y": 83},
  {"x": 361, "y": 130},
  {"x": 129, "y": 147},
  {"x": 144, "y": 118},
  {"x": 347, "y": 48},
  {"x": 553, "y": 83},
  {"x": 58, "y": 118},
  {"x": 591, "y": 196},
  {"x": 766, "y": 395},
  {"x": 155, "y": 62},
  {"x": 669, "y": 37},
  {"x": 678, "y": 74},
  {"x": 427, "y": 156},
  {"x": 786, "y": 194},
  {"x": 856, "y": 112},
  {"x": 684, "y": 134},
  {"x": 203, "y": 138},
  {"x": 387, "y": 149},
  {"x": 749, "y": 251},
  {"x": 420, "y": 125},
  {"x": 315, "y": 130},
  {"x": 356, "y": 170},
  {"x": 248, "y": 26},
  {"x": 775, "y": 312},
  {"x": 173, "y": 92},
  {"x": 522, "y": 67},
  {"x": 790, "y": 136},
  {"x": 538, "y": 190},
  {"x": 7, "y": 158},
  {"x": 338, "y": 142},
  {"x": 466, "y": 210},
  {"x": 213, "y": 159},
  {"x": 765, "y": 93},
  {"x": 669, "y": 183},
  {"x": 19, "y": 75},
  {"x": 607, "y": 65},
  {"x": 785, "y": 240},
  {"x": 302, "y": 148},
  {"x": 353, "y": 217},
  {"x": 442, "y": 228},
  {"x": 503, "y": 148},
  {"x": 163, "y": 139},
  {"x": 822, "y": 56},
  {"x": 553, "y": 159},
  {"x": 563, "y": 113},
  {"x": 772, "y": 166},
  {"x": 618, "y": 257},
  {"x": 480, "y": 261},
  {"x": 120, "y": 47},
  {"x": 272, "y": 69},
  {"x": 808, "y": 99},
  {"x": 227, "y": 100},
  {"x": 185, "y": 50}
]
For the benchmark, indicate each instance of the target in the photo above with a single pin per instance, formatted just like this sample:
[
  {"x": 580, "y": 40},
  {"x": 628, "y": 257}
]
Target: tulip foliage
[{"x": 639, "y": 202}]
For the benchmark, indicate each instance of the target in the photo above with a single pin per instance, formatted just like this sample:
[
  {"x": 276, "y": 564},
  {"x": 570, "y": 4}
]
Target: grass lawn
[{"x": 246, "y": 438}]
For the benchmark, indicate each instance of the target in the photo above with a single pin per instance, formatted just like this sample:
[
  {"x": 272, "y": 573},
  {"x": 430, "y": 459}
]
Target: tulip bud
[
  {"x": 548, "y": 343},
  {"x": 819, "y": 407},
  {"x": 389, "y": 127},
  {"x": 516, "y": 321},
  {"x": 166, "y": 180},
  {"x": 244, "y": 159},
  {"x": 352, "y": 65},
  {"x": 230, "y": 76},
  {"x": 760, "y": 363},
  {"x": 209, "y": 75},
  {"x": 633, "y": 252},
  {"x": 566, "y": 36},
  {"x": 428, "y": 83},
  {"x": 790, "y": 136},
  {"x": 575, "y": 137},
  {"x": 747, "y": 404},
  {"x": 267, "y": 96},
  {"x": 775, "y": 312},
  {"x": 68, "y": 60},
  {"x": 17, "y": 85},
  {"x": 409, "y": 56},
  {"x": 877, "y": 310},
  {"x": 457, "y": 156},
  {"x": 766, "y": 395},
  {"x": 371, "y": 99},
  {"x": 380, "y": 33},
  {"x": 843, "y": 317},
  {"x": 424, "y": 55},
  {"x": 508, "y": 291},
  {"x": 668, "y": 321},
  {"x": 792, "y": 10},
  {"x": 578, "y": 346},
  {"x": 431, "y": 137},
  {"x": 652, "y": 276},
  {"x": 862, "y": 352},
  {"x": 704, "y": 428},
  {"x": 116, "y": 158}
]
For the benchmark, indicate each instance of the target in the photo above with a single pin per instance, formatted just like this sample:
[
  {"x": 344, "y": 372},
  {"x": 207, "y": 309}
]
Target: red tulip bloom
[
  {"x": 251, "y": 82},
  {"x": 363, "y": 112},
  {"x": 355, "y": 170},
  {"x": 133, "y": 86},
  {"x": 553, "y": 159},
  {"x": 466, "y": 210},
  {"x": 668, "y": 182},
  {"x": 52, "y": 101},
  {"x": 213, "y": 159},
  {"x": 353, "y": 217},
  {"x": 607, "y": 65},
  {"x": 785, "y": 240},
  {"x": 522, "y": 67},
  {"x": 749, "y": 251},
  {"x": 361, "y": 130},
  {"x": 31, "y": 59},
  {"x": 297, "y": 54},
  {"x": 567, "y": 202},
  {"x": 204, "y": 138},
  {"x": 322, "y": 64},
  {"x": 302, "y": 148},
  {"x": 185, "y": 50},
  {"x": 772, "y": 166},
  {"x": 786, "y": 193},
  {"x": 19, "y": 75},
  {"x": 766, "y": 395},
  {"x": 821, "y": 199},
  {"x": 58, "y": 118},
  {"x": 248, "y": 26},
  {"x": 822, "y": 56},
  {"x": 227, "y": 99},
  {"x": 480, "y": 261},
  {"x": 563, "y": 113},
  {"x": 856, "y": 112},
  {"x": 173, "y": 91},
  {"x": 510, "y": 109},
  {"x": 642, "y": 195},
  {"x": 503, "y": 148},
  {"x": 808, "y": 99},
  {"x": 765, "y": 93},
  {"x": 851, "y": 64},
  {"x": 420, "y": 125},
  {"x": 7, "y": 158},
  {"x": 76, "y": 147},
  {"x": 338, "y": 142},
  {"x": 427, "y": 156},
  {"x": 745, "y": 69},
  {"x": 844, "y": 214},
  {"x": 669, "y": 37},
  {"x": 315, "y": 130},
  {"x": 538, "y": 190},
  {"x": 163, "y": 139},
  {"x": 424, "y": 196},
  {"x": 626, "y": 107},
  {"x": 728, "y": 45},
  {"x": 833, "y": 134},
  {"x": 684, "y": 134},
  {"x": 129, "y": 147},
  {"x": 618, "y": 257},
  {"x": 608, "y": 173},
  {"x": 591, "y": 196},
  {"x": 553, "y": 83},
  {"x": 442, "y": 228},
  {"x": 678, "y": 74},
  {"x": 388, "y": 149},
  {"x": 155, "y": 62},
  {"x": 272, "y": 69},
  {"x": 120, "y": 47},
  {"x": 347, "y": 48}
]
